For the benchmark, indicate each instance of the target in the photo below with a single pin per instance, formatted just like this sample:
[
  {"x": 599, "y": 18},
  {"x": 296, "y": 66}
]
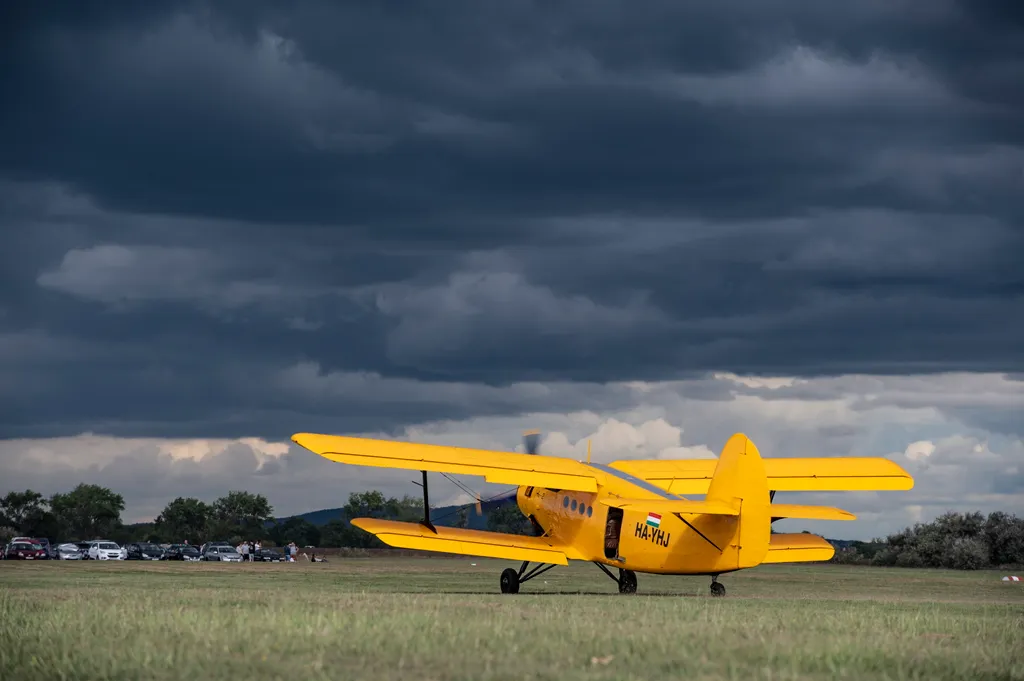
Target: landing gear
[
  {"x": 626, "y": 579},
  {"x": 717, "y": 588},
  {"x": 511, "y": 579}
]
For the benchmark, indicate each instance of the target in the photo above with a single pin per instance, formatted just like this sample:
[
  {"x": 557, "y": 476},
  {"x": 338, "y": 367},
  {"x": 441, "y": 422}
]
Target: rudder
[{"x": 740, "y": 480}]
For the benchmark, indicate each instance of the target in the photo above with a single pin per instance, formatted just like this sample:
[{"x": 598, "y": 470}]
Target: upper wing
[
  {"x": 468, "y": 542},
  {"x": 498, "y": 467},
  {"x": 836, "y": 474}
]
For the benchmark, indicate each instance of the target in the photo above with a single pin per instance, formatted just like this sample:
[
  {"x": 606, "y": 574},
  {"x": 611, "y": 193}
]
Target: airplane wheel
[
  {"x": 509, "y": 581},
  {"x": 627, "y": 582},
  {"x": 717, "y": 589}
]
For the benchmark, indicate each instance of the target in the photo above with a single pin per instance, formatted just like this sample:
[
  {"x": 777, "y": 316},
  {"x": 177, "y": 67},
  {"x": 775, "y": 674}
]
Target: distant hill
[{"x": 445, "y": 516}]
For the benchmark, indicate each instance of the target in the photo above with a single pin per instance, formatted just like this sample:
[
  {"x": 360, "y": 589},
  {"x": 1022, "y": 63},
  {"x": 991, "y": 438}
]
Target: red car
[{"x": 24, "y": 551}]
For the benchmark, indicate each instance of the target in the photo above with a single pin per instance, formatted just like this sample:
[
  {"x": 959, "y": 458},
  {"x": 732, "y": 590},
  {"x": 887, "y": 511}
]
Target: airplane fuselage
[{"x": 631, "y": 538}]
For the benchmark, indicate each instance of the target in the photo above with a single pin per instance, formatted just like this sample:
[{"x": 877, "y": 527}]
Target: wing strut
[{"x": 426, "y": 506}]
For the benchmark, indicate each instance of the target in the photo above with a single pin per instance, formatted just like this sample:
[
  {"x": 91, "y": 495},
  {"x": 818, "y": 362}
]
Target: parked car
[
  {"x": 181, "y": 552},
  {"x": 267, "y": 556},
  {"x": 105, "y": 550},
  {"x": 45, "y": 543},
  {"x": 210, "y": 544},
  {"x": 143, "y": 551},
  {"x": 22, "y": 550},
  {"x": 227, "y": 554},
  {"x": 69, "y": 552}
]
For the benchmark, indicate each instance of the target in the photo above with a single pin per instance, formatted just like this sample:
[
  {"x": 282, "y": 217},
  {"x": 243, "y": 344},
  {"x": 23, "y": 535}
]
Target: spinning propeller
[{"x": 531, "y": 443}]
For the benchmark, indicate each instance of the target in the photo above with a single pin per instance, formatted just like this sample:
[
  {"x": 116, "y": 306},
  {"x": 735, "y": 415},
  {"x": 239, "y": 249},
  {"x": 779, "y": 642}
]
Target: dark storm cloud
[
  {"x": 439, "y": 116},
  {"x": 197, "y": 200}
]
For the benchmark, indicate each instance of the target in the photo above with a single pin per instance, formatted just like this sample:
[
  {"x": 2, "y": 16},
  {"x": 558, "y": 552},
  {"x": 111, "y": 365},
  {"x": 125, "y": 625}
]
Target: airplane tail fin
[{"x": 740, "y": 481}]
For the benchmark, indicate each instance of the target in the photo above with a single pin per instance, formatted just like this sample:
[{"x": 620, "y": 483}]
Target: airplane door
[{"x": 612, "y": 532}]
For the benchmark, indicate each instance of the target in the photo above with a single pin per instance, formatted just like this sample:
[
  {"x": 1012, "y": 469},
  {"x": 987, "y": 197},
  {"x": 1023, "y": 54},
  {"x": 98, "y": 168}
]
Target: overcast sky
[{"x": 652, "y": 226}]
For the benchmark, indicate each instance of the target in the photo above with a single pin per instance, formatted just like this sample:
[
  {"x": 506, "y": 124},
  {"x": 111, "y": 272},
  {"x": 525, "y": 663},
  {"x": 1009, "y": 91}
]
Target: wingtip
[
  {"x": 304, "y": 440},
  {"x": 843, "y": 514}
]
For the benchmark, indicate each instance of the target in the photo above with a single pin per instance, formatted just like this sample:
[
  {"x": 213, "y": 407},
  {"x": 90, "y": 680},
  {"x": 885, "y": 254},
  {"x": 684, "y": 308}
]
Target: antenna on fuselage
[{"x": 588, "y": 451}]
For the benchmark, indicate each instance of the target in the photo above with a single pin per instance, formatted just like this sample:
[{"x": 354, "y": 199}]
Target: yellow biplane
[{"x": 630, "y": 514}]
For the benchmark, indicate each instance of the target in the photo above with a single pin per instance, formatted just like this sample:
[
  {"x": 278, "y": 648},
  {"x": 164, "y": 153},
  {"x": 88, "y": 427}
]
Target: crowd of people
[{"x": 249, "y": 550}]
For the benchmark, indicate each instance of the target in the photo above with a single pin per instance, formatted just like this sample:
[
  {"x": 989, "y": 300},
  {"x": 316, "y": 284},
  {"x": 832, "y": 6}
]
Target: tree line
[
  {"x": 964, "y": 541},
  {"x": 94, "y": 512},
  {"x": 960, "y": 541}
]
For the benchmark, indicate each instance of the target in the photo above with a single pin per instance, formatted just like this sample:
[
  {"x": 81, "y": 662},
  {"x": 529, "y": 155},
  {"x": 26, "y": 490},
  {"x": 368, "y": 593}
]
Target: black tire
[
  {"x": 717, "y": 589},
  {"x": 509, "y": 581},
  {"x": 627, "y": 582}
]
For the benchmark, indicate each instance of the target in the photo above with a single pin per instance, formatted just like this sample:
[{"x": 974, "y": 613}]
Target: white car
[{"x": 105, "y": 550}]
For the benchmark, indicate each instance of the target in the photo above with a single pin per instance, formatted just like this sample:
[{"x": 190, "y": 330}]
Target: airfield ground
[{"x": 439, "y": 618}]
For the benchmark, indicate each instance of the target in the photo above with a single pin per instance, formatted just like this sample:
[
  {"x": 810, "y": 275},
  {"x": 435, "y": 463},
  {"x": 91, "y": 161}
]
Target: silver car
[
  {"x": 69, "y": 552},
  {"x": 226, "y": 554}
]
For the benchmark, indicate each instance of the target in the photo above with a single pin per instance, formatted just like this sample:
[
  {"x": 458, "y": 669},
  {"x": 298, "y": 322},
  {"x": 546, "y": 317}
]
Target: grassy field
[{"x": 422, "y": 618}]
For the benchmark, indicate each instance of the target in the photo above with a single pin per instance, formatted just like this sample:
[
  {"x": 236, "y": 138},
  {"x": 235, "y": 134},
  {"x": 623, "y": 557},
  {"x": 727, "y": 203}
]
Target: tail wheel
[
  {"x": 509, "y": 581},
  {"x": 717, "y": 589}
]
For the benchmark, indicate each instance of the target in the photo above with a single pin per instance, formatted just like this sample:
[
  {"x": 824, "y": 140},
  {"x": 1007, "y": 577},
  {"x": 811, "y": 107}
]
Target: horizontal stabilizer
[
  {"x": 467, "y": 542},
  {"x": 675, "y": 506},
  {"x": 825, "y": 474},
  {"x": 503, "y": 468},
  {"x": 798, "y": 548},
  {"x": 810, "y": 512}
]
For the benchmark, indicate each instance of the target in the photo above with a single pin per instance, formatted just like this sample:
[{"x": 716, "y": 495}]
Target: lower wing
[
  {"x": 468, "y": 542},
  {"x": 831, "y": 474},
  {"x": 798, "y": 548},
  {"x": 783, "y": 511}
]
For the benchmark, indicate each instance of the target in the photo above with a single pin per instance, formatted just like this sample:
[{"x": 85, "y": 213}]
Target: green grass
[{"x": 424, "y": 618}]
